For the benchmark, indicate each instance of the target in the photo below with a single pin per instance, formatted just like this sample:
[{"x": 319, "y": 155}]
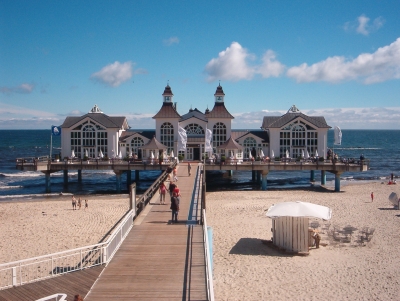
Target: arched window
[
  {"x": 167, "y": 135},
  {"x": 298, "y": 138},
  {"x": 89, "y": 138},
  {"x": 248, "y": 144},
  {"x": 219, "y": 135},
  {"x": 194, "y": 129},
  {"x": 136, "y": 144}
]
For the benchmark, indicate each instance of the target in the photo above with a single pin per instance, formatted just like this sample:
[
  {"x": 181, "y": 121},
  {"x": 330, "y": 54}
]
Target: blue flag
[{"x": 56, "y": 130}]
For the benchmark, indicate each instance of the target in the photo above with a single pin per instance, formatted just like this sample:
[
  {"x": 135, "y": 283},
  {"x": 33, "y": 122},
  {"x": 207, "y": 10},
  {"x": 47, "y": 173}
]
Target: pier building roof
[
  {"x": 101, "y": 118},
  {"x": 154, "y": 144},
  {"x": 168, "y": 110},
  {"x": 291, "y": 115},
  {"x": 258, "y": 133},
  {"x": 230, "y": 144},
  {"x": 194, "y": 113},
  {"x": 145, "y": 133},
  {"x": 219, "y": 111}
]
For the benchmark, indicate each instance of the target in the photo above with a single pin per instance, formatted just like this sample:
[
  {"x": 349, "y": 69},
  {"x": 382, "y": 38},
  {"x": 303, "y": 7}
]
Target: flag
[
  {"x": 182, "y": 139},
  {"x": 338, "y": 136},
  {"x": 208, "y": 147},
  {"x": 56, "y": 130}
]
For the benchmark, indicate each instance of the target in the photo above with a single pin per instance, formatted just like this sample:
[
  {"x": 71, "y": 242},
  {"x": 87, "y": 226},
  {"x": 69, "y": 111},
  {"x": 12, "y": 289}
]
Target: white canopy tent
[{"x": 290, "y": 228}]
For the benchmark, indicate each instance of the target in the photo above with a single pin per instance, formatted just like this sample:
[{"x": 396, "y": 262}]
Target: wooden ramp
[{"x": 159, "y": 260}]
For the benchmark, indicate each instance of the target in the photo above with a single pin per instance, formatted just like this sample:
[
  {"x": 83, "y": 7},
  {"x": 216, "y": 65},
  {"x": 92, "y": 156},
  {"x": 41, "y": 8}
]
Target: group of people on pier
[{"x": 174, "y": 193}]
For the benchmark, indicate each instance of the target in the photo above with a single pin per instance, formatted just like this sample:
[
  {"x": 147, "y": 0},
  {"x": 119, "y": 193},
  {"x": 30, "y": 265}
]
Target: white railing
[
  {"x": 210, "y": 284},
  {"x": 47, "y": 266}
]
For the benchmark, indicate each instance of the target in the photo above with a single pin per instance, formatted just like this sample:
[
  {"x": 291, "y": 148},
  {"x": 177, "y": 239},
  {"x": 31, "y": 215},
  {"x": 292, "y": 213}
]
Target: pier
[{"x": 259, "y": 169}]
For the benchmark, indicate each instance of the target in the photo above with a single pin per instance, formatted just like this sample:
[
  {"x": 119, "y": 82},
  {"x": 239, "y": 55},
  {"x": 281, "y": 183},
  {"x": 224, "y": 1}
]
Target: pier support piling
[
  {"x": 323, "y": 177},
  {"x": 65, "y": 172},
  {"x": 80, "y": 175},
  {"x": 230, "y": 173},
  {"x": 128, "y": 178},
  {"x": 312, "y": 176},
  {"x": 137, "y": 177},
  {"x": 118, "y": 180},
  {"x": 337, "y": 182},
  {"x": 47, "y": 181},
  {"x": 264, "y": 180}
]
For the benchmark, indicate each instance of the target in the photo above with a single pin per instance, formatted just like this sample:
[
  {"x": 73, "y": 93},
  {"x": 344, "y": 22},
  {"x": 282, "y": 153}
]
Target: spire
[
  {"x": 95, "y": 109},
  {"x": 219, "y": 94},
  {"x": 167, "y": 95},
  {"x": 293, "y": 109}
]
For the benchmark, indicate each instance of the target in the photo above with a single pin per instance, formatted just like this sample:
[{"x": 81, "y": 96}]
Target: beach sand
[
  {"x": 41, "y": 226},
  {"x": 246, "y": 269}
]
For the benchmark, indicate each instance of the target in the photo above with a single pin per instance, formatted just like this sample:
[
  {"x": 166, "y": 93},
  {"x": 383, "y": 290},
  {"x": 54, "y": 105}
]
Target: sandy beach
[
  {"x": 41, "y": 226},
  {"x": 247, "y": 269}
]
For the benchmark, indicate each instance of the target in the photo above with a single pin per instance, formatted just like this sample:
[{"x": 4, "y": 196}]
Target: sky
[{"x": 337, "y": 59}]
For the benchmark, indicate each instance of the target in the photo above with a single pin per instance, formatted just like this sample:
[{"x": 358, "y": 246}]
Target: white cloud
[
  {"x": 22, "y": 89},
  {"x": 347, "y": 118},
  {"x": 382, "y": 65},
  {"x": 363, "y": 26},
  {"x": 232, "y": 64},
  {"x": 270, "y": 66},
  {"x": 171, "y": 41},
  {"x": 114, "y": 74}
]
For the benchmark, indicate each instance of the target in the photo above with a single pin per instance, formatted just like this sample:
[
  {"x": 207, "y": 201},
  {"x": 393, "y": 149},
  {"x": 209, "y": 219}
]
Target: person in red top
[
  {"x": 372, "y": 196},
  {"x": 176, "y": 191}
]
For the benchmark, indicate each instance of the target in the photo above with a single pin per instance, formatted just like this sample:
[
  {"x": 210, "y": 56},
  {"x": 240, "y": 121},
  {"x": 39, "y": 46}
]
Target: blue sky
[{"x": 337, "y": 59}]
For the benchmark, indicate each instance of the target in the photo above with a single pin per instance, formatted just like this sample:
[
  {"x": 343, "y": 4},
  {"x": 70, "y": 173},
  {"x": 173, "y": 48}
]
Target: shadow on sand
[{"x": 255, "y": 246}]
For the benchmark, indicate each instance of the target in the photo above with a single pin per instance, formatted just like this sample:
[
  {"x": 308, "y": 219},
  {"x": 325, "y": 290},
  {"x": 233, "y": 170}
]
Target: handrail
[
  {"x": 46, "y": 266},
  {"x": 210, "y": 283}
]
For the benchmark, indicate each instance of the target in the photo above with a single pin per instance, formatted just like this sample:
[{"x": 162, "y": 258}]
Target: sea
[{"x": 380, "y": 147}]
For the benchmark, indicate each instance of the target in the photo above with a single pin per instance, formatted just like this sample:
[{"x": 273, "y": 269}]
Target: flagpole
[{"x": 51, "y": 141}]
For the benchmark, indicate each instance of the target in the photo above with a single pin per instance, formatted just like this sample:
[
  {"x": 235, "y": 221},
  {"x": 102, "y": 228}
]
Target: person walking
[
  {"x": 175, "y": 200},
  {"x": 162, "y": 191},
  {"x": 171, "y": 188},
  {"x": 372, "y": 196},
  {"x": 175, "y": 172},
  {"x": 73, "y": 203},
  {"x": 189, "y": 169},
  {"x": 86, "y": 204}
]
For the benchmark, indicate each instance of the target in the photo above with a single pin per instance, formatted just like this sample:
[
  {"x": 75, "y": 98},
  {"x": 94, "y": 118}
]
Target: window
[
  {"x": 219, "y": 135},
  {"x": 297, "y": 138},
  {"x": 89, "y": 138},
  {"x": 194, "y": 129},
  {"x": 167, "y": 135},
  {"x": 136, "y": 144},
  {"x": 249, "y": 143}
]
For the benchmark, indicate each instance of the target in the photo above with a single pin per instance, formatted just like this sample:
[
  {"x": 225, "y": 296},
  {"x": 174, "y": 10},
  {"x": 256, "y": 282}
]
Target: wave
[
  {"x": 357, "y": 148},
  {"x": 26, "y": 174},
  {"x": 11, "y": 187},
  {"x": 31, "y": 196}
]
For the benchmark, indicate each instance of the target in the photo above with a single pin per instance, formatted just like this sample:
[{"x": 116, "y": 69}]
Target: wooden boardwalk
[{"x": 158, "y": 260}]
